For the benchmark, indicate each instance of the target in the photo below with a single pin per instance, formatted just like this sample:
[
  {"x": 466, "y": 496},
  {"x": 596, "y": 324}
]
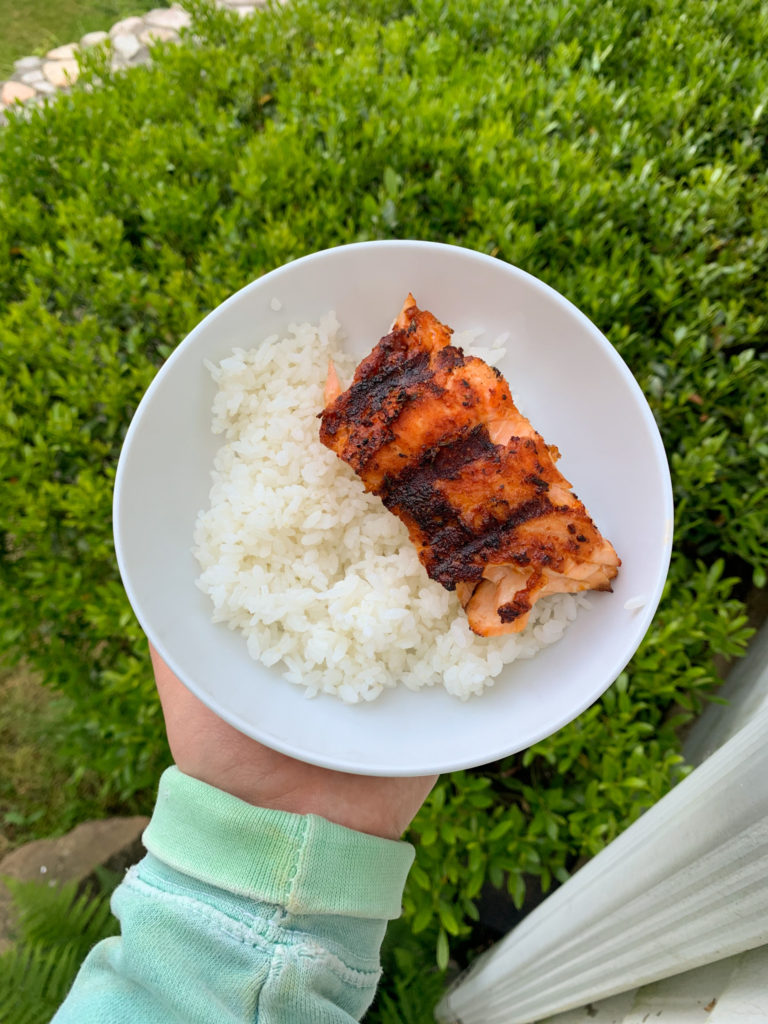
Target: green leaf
[
  {"x": 422, "y": 919},
  {"x": 391, "y": 181},
  {"x": 443, "y": 952},
  {"x": 448, "y": 918}
]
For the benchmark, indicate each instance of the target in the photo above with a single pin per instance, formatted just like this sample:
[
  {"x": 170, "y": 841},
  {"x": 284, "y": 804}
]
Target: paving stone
[
  {"x": 155, "y": 34},
  {"x": 93, "y": 38},
  {"x": 61, "y": 72},
  {"x": 126, "y": 45},
  {"x": 128, "y": 26},
  {"x": 31, "y": 77},
  {"x": 14, "y": 92},
  {"x": 165, "y": 17},
  {"x": 67, "y": 52},
  {"x": 27, "y": 63},
  {"x": 45, "y": 88},
  {"x": 114, "y": 843}
]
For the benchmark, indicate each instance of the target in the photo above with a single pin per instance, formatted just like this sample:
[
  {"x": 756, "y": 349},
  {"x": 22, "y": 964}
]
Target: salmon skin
[{"x": 436, "y": 435}]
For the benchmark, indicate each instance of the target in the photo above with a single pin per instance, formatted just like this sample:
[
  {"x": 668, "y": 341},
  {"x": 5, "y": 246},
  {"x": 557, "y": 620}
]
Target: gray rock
[
  {"x": 128, "y": 26},
  {"x": 45, "y": 88},
  {"x": 155, "y": 34},
  {"x": 165, "y": 17},
  {"x": 142, "y": 57},
  {"x": 114, "y": 843},
  {"x": 32, "y": 77},
  {"x": 93, "y": 38},
  {"x": 28, "y": 63},
  {"x": 125, "y": 45}
]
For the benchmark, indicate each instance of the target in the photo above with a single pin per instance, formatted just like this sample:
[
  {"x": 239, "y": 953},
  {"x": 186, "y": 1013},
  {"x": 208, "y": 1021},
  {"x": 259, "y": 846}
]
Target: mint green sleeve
[{"x": 242, "y": 914}]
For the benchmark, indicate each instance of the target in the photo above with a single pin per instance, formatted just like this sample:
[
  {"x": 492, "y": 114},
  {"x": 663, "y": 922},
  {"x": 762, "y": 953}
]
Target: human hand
[{"x": 209, "y": 749}]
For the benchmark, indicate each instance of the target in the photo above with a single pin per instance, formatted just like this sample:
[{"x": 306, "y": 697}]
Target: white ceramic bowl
[{"x": 569, "y": 382}]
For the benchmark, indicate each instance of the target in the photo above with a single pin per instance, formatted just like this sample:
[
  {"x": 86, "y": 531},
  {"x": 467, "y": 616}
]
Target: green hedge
[{"x": 617, "y": 150}]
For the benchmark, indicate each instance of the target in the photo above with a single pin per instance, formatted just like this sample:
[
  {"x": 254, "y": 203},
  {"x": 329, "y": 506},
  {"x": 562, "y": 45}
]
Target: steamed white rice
[{"x": 321, "y": 580}]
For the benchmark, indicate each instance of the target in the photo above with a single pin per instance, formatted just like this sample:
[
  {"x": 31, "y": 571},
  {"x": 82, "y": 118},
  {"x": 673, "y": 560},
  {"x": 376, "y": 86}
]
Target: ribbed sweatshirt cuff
[{"x": 301, "y": 862}]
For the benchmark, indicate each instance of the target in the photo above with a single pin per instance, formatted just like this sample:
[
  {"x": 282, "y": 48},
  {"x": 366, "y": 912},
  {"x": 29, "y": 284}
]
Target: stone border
[{"x": 35, "y": 80}]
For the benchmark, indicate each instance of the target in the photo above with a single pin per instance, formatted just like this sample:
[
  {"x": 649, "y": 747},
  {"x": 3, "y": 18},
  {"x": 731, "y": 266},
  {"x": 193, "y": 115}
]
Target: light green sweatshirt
[{"x": 242, "y": 914}]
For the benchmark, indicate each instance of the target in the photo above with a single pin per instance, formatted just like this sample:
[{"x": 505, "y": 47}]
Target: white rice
[{"x": 321, "y": 580}]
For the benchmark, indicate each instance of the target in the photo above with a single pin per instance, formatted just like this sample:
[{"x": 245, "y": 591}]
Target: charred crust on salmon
[
  {"x": 513, "y": 609},
  {"x": 436, "y": 435}
]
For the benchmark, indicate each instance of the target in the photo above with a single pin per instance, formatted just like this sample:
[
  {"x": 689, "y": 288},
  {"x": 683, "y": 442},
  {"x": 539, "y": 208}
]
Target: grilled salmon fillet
[{"x": 435, "y": 434}]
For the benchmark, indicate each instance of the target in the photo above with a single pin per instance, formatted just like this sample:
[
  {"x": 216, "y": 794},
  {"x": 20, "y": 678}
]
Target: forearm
[{"x": 242, "y": 914}]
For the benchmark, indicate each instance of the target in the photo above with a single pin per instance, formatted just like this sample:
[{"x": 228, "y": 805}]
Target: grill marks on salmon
[{"x": 436, "y": 435}]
